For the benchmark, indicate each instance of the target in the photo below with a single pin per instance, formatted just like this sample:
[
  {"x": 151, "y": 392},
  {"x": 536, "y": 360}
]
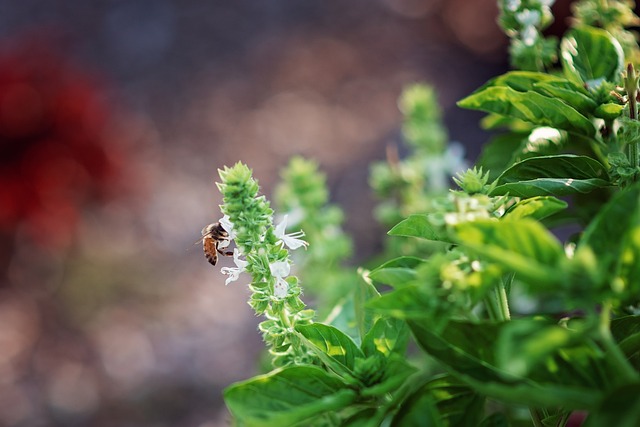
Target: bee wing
[{"x": 204, "y": 234}]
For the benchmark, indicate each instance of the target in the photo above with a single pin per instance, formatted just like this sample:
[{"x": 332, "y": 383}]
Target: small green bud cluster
[
  {"x": 248, "y": 219},
  {"x": 459, "y": 207},
  {"x": 473, "y": 181},
  {"x": 523, "y": 22},
  {"x": 370, "y": 370}
]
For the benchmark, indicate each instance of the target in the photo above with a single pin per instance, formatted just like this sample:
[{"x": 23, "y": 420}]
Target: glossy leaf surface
[{"x": 287, "y": 396}]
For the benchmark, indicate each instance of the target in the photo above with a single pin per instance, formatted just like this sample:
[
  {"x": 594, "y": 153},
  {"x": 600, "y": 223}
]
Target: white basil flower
[
  {"x": 234, "y": 272},
  {"x": 280, "y": 270},
  {"x": 528, "y": 17},
  {"x": 291, "y": 240}
]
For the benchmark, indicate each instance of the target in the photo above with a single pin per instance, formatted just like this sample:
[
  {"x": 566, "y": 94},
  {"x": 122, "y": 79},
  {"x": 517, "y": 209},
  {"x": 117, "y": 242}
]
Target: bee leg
[{"x": 227, "y": 253}]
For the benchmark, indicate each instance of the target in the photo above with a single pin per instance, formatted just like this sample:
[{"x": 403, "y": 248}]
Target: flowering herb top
[
  {"x": 262, "y": 250},
  {"x": 515, "y": 316}
]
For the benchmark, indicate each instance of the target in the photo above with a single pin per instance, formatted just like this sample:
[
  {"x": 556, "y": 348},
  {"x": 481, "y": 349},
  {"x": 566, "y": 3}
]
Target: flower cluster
[
  {"x": 262, "y": 250},
  {"x": 523, "y": 21},
  {"x": 459, "y": 207}
]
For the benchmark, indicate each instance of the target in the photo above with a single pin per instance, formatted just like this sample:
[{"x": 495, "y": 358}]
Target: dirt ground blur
[{"x": 118, "y": 115}]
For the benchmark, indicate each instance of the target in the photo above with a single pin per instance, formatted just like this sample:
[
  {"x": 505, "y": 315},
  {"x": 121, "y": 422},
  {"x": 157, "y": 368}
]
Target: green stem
[
  {"x": 611, "y": 347},
  {"x": 562, "y": 422},
  {"x": 284, "y": 318},
  {"x": 490, "y": 304},
  {"x": 497, "y": 302},
  {"x": 631, "y": 87},
  {"x": 536, "y": 417},
  {"x": 503, "y": 301}
]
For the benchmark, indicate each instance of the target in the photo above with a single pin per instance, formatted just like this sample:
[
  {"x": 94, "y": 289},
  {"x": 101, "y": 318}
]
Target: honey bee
[{"x": 212, "y": 236}]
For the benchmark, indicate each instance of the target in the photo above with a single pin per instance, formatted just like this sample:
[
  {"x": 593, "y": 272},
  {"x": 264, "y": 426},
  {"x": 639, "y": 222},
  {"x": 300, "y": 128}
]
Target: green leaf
[
  {"x": 496, "y": 419},
  {"x": 570, "y": 92},
  {"x": 287, "y": 396},
  {"x": 523, "y": 246},
  {"x": 626, "y": 331},
  {"x": 549, "y": 186},
  {"x": 559, "y": 166},
  {"x": 404, "y": 303},
  {"x": 467, "y": 350},
  {"x": 521, "y": 81},
  {"x": 552, "y": 175},
  {"x": 607, "y": 234},
  {"x": 418, "y": 225},
  {"x": 531, "y": 107},
  {"x": 501, "y": 152},
  {"x": 387, "y": 336},
  {"x": 419, "y": 410},
  {"x": 608, "y": 111},
  {"x": 629, "y": 131},
  {"x": 621, "y": 408},
  {"x": 363, "y": 418},
  {"x": 536, "y": 208},
  {"x": 455, "y": 403},
  {"x": 397, "y": 272},
  {"x": 396, "y": 373},
  {"x": 590, "y": 54},
  {"x": 525, "y": 344},
  {"x": 494, "y": 121},
  {"x": 332, "y": 342}
]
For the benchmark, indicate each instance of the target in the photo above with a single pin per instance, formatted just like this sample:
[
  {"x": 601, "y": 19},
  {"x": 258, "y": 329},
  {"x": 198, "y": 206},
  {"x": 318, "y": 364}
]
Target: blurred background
[{"x": 114, "y": 118}]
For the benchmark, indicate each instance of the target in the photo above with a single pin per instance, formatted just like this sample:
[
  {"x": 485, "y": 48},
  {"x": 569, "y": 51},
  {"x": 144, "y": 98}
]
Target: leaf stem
[
  {"x": 562, "y": 422},
  {"x": 503, "y": 300},
  {"x": 497, "y": 303},
  {"x": 611, "y": 347},
  {"x": 631, "y": 87},
  {"x": 490, "y": 305},
  {"x": 536, "y": 417}
]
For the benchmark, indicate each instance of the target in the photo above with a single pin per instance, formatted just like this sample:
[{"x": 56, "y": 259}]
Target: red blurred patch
[{"x": 55, "y": 153}]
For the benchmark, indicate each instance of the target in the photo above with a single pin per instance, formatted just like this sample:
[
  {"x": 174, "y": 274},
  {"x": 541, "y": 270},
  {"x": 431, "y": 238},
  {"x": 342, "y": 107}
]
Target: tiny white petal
[
  {"x": 512, "y": 5},
  {"x": 240, "y": 263},
  {"x": 291, "y": 240},
  {"x": 529, "y": 35},
  {"x": 234, "y": 272},
  {"x": 280, "y": 269},
  {"x": 281, "y": 227},
  {"x": 528, "y": 17},
  {"x": 226, "y": 223},
  {"x": 280, "y": 288}
]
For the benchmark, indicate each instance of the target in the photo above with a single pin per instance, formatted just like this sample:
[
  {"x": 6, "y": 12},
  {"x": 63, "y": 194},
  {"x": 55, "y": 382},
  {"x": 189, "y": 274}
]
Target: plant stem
[
  {"x": 492, "y": 309},
  {"x": 503, "y": 301},
  {"x": 631, "y": 87},
  {"x": 610, "y": 346},
  {"x": 536, "y": 418},
  {"x": 497, "y": 303},
  {"x": 564, "y": 419}
]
